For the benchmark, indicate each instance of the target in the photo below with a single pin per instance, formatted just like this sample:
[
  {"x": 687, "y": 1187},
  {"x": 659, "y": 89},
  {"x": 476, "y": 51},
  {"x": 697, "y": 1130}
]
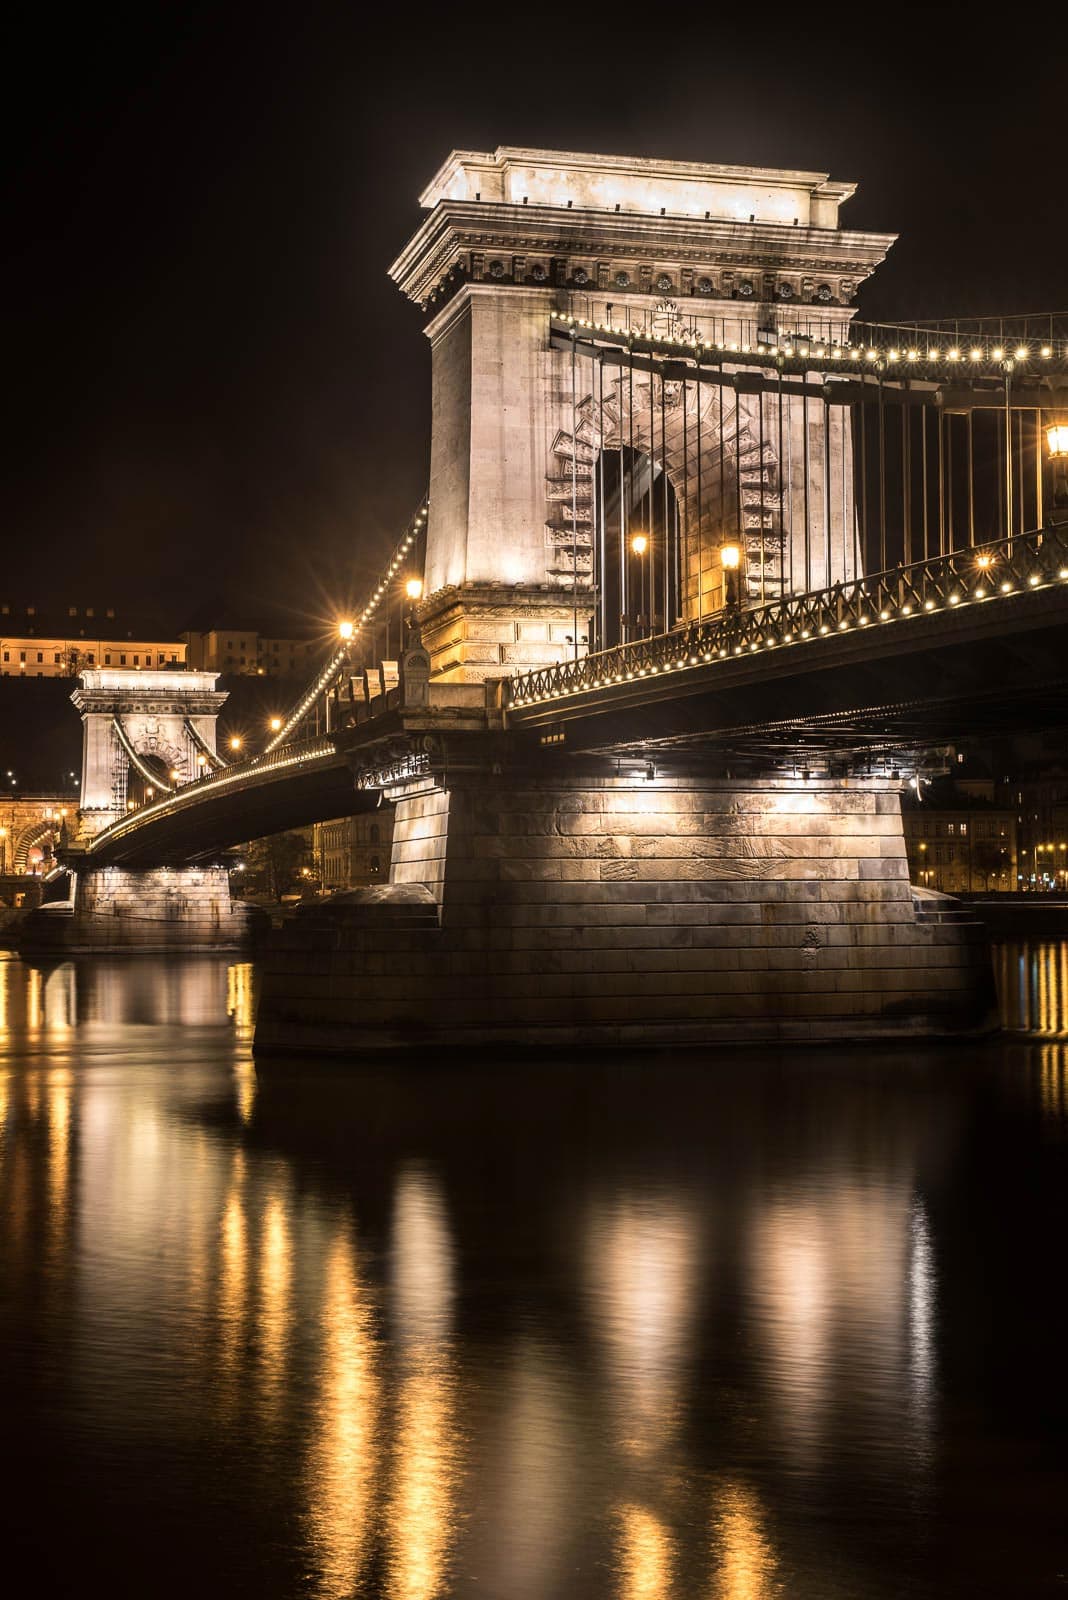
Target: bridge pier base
[
  {"x": 624, "y": 910},
  {"x": 112, "y": 910}
]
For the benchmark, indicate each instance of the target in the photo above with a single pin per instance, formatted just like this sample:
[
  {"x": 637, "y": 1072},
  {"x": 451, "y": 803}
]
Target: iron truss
[{"x": 984, "y": 575}]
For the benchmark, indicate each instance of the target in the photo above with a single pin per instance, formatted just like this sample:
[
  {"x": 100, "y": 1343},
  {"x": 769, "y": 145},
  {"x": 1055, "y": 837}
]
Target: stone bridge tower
[
  {"x": 160, "y": 723},
  {"x": 515, "y": 235}
]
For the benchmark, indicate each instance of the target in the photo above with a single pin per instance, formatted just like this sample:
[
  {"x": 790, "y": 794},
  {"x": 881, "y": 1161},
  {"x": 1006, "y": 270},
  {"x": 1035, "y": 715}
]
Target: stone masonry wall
[
  {"x": 617, "y": 910},
  {"x": 165, "y": 908}
]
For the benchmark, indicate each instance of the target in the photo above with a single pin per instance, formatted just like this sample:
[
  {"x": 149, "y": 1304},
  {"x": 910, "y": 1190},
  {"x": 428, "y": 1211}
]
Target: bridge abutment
[
  {"x": 117, "y": 910},
  {"x": 624, "y": 909}
]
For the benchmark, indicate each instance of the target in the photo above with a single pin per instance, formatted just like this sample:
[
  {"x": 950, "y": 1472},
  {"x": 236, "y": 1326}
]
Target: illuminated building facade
[{"x": 60, "y": 643}]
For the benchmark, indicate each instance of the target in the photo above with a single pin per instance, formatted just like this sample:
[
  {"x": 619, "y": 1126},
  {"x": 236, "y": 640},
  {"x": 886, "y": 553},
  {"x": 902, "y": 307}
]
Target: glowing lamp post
[
  {"x": 235, "y": 744},
  {"x": 639, "y": 545},
  {"x": 413, "y": 589},
  {"x": 345, "y": 630},
  {"x": 730, "y": 559},
  {"x": 1057, "y": 441},
  {"x": 275, "y": 724}
]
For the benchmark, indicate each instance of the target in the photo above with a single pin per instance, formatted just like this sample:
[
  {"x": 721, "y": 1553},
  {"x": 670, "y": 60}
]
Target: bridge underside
[
  {"x": 230, "y": 811},
  {"x": 881, "y": 695}
]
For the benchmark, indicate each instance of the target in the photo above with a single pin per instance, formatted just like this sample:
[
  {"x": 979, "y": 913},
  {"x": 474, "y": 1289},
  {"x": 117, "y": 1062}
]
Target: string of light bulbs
[
  {"x": 801, "y": 348},
  {"x": 350, "y": 633}
]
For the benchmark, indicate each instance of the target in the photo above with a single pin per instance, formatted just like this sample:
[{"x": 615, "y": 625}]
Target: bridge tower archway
[
  {"x": 143, "y": 735},
  {"x": 651, "y": 479}
]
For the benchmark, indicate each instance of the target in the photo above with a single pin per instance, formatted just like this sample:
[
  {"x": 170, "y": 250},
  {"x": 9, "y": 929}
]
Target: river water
[{"x": 737, "y": 1325}]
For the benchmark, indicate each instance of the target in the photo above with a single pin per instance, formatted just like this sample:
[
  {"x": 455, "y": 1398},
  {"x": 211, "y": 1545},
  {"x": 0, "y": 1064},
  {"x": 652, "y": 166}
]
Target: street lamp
[
  {"x": 413, "y": 589},
  {"x": 639, "y": 544},
  {"x": 730, "y": 559},
  {"x": 345, "y": 629},
  {"x": 1057, "y": 440},
  {"x": 235, "y": 742},
  {"x": 275, "y": 724}
]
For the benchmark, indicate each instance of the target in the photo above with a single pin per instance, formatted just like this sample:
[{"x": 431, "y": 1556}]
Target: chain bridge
[{"x": 708, "y": 569}]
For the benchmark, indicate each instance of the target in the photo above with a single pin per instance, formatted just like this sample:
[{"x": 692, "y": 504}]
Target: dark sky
[{"x": 218, "y": 403}]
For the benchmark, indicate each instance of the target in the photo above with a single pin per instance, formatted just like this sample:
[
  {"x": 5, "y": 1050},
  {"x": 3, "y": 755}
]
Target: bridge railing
[{"x": 981, "y": 573}]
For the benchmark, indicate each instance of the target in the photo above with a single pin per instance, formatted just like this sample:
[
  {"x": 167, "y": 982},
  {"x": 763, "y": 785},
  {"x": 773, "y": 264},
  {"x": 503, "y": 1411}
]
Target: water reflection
[
  {"x": 1032, "y": 979},
  {"x": 344, "y": 1457},
  {"x": 744, "y": 1564},
  {"x": 425, "y": 1467},
  {"x": 642, "y": 1276},
  {"x": 645, "y": 1555},
  {"x": 185, "y": 991},
  {"x": 691, "y": 1327},
  {"x": 273, "y": 1312}
]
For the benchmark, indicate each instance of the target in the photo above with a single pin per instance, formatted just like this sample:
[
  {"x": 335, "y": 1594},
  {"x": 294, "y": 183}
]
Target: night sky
[{"x": 218, "y": 404}]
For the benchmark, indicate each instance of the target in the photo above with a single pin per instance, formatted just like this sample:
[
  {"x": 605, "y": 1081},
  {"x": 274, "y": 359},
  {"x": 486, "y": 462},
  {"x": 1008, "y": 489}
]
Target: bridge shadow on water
[{"x": 747, "y": 1322}]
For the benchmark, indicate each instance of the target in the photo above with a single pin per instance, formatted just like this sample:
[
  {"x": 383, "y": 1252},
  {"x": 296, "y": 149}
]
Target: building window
[
  {"x": 7, "y": 655},
  {"x": 56, "y": 658},
  {"x": 107, "y": 660},
  {"x": 91, "y": 658},
  {"x": 122, "y": 661},
  {"x": 40, "y": 655},
  {"x": 963, "y": 828},
  {"x": 376, "y": 866}
]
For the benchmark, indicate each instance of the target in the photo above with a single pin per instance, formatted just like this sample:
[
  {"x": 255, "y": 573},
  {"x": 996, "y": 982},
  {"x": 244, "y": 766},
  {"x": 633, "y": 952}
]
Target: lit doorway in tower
[{"x": 638, "y": 559}]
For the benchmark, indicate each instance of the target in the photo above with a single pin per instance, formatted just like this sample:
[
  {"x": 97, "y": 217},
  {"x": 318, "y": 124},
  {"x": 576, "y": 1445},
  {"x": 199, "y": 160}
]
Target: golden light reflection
[
  {"x": 645, "y": 1555},
  {"x": 31, "y": 1088},
  {"x": 60, "y": 1002},
  {"x": 58, "y": 1091},
  {"x": 343, "y": 1461},
  {"x": 34, "y": 1000},
  {"x": 7, "y": 969},
  {"x": 820, "y": 1263},
  {"x": 245, "y": 1089},
  {"x": 275, "y": 1266},
  {"x": 1053, "y": 1082},
  {"x": 742, "y": 1552},
  {"x": 422, "y": 1265},
  {"x": 420, "y": 1512},
  {"x": 425, "y": 1471},
  {"x": 922, "y": 1297},
  {"x": 240, "y": 998},
  {"x": 642, "y": 1276},
  {"x": 233, "y": 1281},
  {"x": 1032, "y": 981}
]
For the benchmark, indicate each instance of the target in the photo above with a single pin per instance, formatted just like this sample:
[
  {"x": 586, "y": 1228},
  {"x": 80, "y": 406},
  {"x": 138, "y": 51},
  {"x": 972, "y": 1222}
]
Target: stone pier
[
  {"x": 616, "y": 910},
  {"x": 113, "y": 910}
]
